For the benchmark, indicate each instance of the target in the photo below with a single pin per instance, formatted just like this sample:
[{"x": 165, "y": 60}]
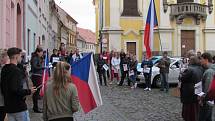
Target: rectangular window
[{"x": 130, "y": 8}]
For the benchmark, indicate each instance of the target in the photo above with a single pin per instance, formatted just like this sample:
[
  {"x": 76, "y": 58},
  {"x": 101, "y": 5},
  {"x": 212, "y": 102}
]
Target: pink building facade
[{"x": 11, "y": 24}]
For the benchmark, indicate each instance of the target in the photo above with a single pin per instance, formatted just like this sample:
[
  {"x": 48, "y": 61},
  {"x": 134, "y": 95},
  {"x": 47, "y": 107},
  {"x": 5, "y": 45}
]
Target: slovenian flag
[
  {"x": 151, "y": 23},
  {"x": 84, "y": 77},
  {"x": 45, "y": 75}
]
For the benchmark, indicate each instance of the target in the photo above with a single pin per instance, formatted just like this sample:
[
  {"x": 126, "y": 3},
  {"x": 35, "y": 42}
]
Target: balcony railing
[
  {"x": 188, "y": 8},
  {"x": 179, "y": 11}
]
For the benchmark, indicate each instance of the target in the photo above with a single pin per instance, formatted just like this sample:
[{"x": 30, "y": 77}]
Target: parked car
[
  {"x": 154, "y": 60},
  {"x": 174, "y": 71}
]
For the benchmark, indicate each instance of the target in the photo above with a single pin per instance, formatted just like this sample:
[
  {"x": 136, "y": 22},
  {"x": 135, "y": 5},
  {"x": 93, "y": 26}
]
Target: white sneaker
[
  {"x": 118, "y": 82},
  {"x": 132, "y": 87},
  {"x": 135, "y": 85},
  {"x": 146, "y": 89},
  {"x": 110, "y": 83},
  {"x": 149, "y": 89}
]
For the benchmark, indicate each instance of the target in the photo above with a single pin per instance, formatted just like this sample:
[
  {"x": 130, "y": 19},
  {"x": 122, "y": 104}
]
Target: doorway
[{"x": 187, "y": 41}]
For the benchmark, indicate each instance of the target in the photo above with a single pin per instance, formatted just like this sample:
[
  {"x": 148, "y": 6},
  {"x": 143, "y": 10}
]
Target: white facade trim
[
  {"x": 132, "y": 18},
  {"x": 131, "y": 31}
]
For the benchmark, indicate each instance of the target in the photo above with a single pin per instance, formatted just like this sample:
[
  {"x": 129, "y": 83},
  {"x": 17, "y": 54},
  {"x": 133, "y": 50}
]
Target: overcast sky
[{"x": 82, "y": 11}]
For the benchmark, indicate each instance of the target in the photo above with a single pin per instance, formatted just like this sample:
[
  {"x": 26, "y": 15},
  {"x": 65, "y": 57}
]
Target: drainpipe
[
  {"x": 101, "y": 25},
  {"x": 24, "y": 28}
]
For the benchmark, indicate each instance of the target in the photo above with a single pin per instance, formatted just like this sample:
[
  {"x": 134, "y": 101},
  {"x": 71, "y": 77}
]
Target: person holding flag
[{"x": 36, "y": 77}]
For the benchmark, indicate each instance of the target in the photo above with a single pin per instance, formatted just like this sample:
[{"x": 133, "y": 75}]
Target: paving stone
[{"x": 124, "y": 104}]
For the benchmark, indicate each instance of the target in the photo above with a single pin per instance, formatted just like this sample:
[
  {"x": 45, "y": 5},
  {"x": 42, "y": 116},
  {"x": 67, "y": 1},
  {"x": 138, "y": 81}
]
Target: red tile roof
[{"x": 87, "y": 35}]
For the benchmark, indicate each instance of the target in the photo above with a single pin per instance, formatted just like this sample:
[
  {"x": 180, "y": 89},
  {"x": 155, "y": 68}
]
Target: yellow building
[{"x": 183, "y": 25}]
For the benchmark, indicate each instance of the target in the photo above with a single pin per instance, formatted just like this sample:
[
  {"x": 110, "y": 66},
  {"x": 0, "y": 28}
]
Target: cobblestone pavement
[{"x": 124, "y": 104}]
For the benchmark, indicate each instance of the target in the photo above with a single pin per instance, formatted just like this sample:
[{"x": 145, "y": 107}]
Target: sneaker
[
  {"x": 135, "y": 85},
  {"x": 149, "y": 89},
  {"x": 118, "y": 82},
  {"x": 146, "y": 89},
  {"x": 132, "y": 87},
  {"x": 111, "y": 83}
]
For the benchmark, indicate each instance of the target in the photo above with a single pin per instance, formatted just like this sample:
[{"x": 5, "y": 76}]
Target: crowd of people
[
  {"x": 201, "y": 70},
  {"x": 61, "y": 100},
  {"x": 117, "y": 65}
]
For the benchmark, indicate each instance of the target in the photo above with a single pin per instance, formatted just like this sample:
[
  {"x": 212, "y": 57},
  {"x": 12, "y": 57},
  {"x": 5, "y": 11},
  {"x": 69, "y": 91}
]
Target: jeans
[
  {"x": 164, "y": 81},
  {"x": 2, "y": 113},
  {"x": 102, "y": 74},
  {"x": 21, "y": 116},
  {"x": 124, "y": 75},
  {"x": 205, "y": 113},
  {"x": 147, "y": 80},
  {"x": 37, "y": 81},
  {"x": 133, "y": 78}
]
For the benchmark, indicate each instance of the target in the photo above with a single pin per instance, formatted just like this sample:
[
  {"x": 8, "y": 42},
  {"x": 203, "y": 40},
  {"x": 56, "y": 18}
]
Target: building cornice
[
  {"x": 209, "y": 30},
  {"x": 160, "y": 30}
]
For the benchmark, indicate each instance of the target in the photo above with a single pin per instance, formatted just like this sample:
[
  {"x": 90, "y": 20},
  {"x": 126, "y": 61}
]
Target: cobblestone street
[{"x": 124, "y": 104}]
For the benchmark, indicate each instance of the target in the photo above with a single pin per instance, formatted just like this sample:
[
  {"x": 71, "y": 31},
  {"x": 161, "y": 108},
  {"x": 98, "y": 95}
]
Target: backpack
[{"x": 211, "y": 92}]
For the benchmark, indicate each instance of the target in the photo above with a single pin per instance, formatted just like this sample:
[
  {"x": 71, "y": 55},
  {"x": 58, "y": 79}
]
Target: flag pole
[{"x": 159, "y": 36}]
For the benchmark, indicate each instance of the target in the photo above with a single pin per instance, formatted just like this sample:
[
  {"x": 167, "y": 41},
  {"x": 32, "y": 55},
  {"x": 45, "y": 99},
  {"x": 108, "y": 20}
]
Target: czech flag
[
  {"x": 151, "y": 23},
  {"x": 45, "y": 75},
  {"x": 84, "y": 77}
]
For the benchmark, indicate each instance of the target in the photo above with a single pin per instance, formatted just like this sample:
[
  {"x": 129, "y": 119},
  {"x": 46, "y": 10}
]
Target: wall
[
  {"x": 11, "y": 24},
  {"x": 31, "y": 27}
]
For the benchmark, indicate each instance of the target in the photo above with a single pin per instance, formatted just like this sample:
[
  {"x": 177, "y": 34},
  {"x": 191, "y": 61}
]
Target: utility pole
[{"x": 101, "y": 25}]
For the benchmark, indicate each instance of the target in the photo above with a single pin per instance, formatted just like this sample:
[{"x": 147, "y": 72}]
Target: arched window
[
  {"x": 182, "y": 1},
  {"x": 130, "y": 8}
]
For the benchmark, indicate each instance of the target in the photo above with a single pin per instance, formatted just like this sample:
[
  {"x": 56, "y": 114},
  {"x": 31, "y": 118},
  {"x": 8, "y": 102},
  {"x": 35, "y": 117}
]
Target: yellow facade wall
[
  {"x": 97, "y": 23},
  {"x": 157, "y": 6},
  {"x": 107, "y": 13}
]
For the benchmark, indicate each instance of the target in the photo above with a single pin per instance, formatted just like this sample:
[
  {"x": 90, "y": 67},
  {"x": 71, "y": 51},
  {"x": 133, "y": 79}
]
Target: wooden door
[
  {"x": 131, "y": 47},
  {"x": 187, "y": 41}
]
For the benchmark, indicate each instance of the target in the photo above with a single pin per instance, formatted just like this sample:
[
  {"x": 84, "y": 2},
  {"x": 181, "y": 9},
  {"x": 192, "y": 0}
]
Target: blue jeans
[
  {"x": 164, "y": 81},
  {"x": 133, "y": 78},
  {"x": 21, "y": 116}
]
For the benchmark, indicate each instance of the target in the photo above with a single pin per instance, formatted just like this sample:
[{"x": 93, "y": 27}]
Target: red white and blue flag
[
  {"x": 45, "y": 75},
  {"x": 151, "y": 23},
  {"x": 84, "y": 77}
]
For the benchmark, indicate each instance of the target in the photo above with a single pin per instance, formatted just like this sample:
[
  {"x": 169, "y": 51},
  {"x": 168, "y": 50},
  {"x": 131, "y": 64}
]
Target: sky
[{"x": 83, "y": 11}]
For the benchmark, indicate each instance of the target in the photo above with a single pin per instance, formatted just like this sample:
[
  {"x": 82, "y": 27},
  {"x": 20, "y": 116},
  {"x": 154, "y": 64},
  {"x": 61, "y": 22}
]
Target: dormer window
[
  {"x": 183, "y": 1},
  {"x": 130, "y": 8}
]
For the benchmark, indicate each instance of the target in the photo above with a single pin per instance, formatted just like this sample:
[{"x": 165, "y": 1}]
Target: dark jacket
[
  {"x": 164, "y": 64},
  {"x": 124, "y": 61},
  {"x": 149, "y": 64},
  {"x": 133, "y": 65},
  {"x": 37, "y": 65},
  {"x": 100, "y": 64},
  {"x": 189, "y": 78},
  {"x": 12, "y": 89}
]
